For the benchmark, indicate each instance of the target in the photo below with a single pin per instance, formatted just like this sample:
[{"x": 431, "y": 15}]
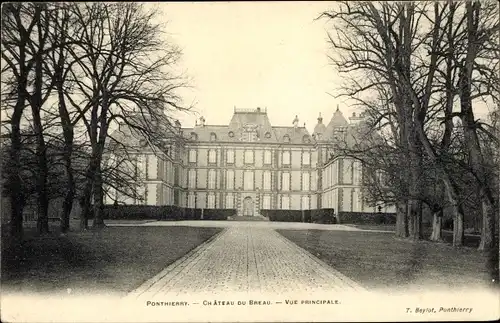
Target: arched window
[{"x": 213, "y": 137}]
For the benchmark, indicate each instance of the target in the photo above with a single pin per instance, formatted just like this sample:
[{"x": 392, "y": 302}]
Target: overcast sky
[
  {"x": 253, "y": 54},
  {"x": 257, "y": 54}
]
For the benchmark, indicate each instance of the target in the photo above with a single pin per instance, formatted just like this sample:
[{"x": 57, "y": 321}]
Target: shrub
[
  {"x": 217, "y": 214},
  {"x": 163, "y": 212},
  {"x": 324, "y": 216},
  {"x": 366, "y": 218},
  {"x": 283, "y": 215}
]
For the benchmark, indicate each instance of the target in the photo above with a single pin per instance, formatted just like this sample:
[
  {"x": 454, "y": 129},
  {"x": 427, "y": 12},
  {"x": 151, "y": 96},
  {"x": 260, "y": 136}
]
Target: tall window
[
  {"x": 285, "y": 202},
  {"x": 267, "y": 157},
  {"x": 229, "y": 201},
  {"x": 267, "y": 180},
  {"x": 212, "y": 156},
  {"x": 248, "y": 180},
  {"x": 191, "y": 201},
  {"x": 305, "y": 181},
  {"x": 248, "y": 156},
  {"x": 211, "y": 201},
  {"x": 192, "y": 178},
  {"x": 305, "y": 203},
  {"x": 212, "y": 176},
  {"x": 286, "y": 158},
  {"x": 230, "y": 179},
  {"x": 192, "y": 155},
  {"x": 306, "y": 158},
  {"x": 285, "y": 182},
  {"x": 141, "y": 166},
  {"x": 230, "y": 156},
  {"x": 266, "y": 202}
]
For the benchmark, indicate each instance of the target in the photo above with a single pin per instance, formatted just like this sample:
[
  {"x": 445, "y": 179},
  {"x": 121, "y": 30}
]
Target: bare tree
[
  {"x": 17, "y": 28},
  {"x": 387, "y": 43},
  {"x": 123, "y": 74}
]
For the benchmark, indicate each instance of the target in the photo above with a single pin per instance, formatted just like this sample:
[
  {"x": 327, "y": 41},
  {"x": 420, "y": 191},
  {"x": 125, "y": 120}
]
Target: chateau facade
[{"x": 250, "y": 165}]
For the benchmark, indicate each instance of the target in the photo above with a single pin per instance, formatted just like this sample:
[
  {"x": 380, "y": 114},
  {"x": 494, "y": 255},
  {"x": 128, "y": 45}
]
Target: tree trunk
[
  {"x": 43, "y": 200},
  {"x": 415, "y": 218},
  {"x": 437, "y": 220},
  {"x": 14, "y": 184},
  {"x": 98, "y": 222},
  {"x": 85, "y": 204},
  {"x": 41, "y": 151},
  {"x": 68, "y": 198},
  {"x": 458, "y": 228},
  {"x": 14, "y": 169},
  {"x": 68, "y": 151},
  {"x": 476, "y": 158},
  {"x": 415, "y": 185},
  {"x": 401, "y": 219},
  {"x": 488, "y": 226}
]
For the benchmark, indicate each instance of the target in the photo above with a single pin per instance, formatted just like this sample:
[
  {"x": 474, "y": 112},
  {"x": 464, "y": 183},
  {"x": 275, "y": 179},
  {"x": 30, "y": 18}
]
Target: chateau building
[{"x": 251, "y": 165}]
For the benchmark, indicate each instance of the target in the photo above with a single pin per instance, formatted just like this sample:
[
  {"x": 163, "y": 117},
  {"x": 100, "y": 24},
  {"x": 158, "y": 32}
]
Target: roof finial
[
  {"x": 320, "y": 118},
  {"x": 337, "y": 107}
]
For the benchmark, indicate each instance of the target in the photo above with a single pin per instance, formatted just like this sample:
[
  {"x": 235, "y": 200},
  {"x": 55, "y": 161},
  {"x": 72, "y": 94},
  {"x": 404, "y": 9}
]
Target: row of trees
[
  {"x": 70, "y": 73},
  {"x": 420, "y": 71}
]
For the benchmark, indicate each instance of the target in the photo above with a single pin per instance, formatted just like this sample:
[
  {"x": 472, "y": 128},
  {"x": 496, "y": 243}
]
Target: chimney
[
  {"x": 258, "y": 109},
  {"x": 356, "y": 118},
  {"x": 320, "y": 118}
]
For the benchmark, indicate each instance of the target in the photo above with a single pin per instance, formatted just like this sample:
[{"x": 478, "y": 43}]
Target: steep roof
[
  {"x": 338, "y": 120},
  {"x": 254, "y": 120}
]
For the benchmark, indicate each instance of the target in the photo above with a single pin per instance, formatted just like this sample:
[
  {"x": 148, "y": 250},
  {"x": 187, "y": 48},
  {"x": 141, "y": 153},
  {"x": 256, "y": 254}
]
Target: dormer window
[
  {"x": 194, "y": 136},
  {"x": 230, "y": 134},
  {"x": 286, "y": 138},
  {"x": 250, "y": 133},
  {"x": 213, "y": 137},
  {"x": 268, "y": 135},
  {"x": 306, "y": 139}
]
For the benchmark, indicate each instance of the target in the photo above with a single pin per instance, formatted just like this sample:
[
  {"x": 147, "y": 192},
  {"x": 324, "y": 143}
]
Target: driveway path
[{"x": 247, "y": 259}]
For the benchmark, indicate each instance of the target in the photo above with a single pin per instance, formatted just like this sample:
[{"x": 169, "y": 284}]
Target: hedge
[
  {"x": 315, "y": 216},
  {"x": 366, "y": 218},
  {"x": 164, "y": 213},
  {"x": 326, "y": 216},
  {"x": 175, "y": 213},
  {"x": 283, "y": 215}
]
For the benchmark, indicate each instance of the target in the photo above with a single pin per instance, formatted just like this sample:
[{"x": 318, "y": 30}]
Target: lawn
[
  {"x": 470, "y": 240},
  {"x": 380, "y": 261},
  {"x": 113, "y": 260}
]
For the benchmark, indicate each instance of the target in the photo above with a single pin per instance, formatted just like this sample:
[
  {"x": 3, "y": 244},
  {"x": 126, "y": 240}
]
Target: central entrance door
[{"x": 248, "y": 206}]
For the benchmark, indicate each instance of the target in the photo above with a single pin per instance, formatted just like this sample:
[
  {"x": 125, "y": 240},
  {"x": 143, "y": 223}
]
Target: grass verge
[
  {"x": 380, "y": 261},
  {"x": 111, "y": 260}
]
